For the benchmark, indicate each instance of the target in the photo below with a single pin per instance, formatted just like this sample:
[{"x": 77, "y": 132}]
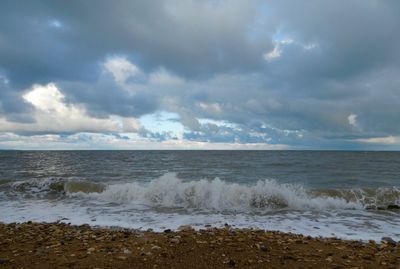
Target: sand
[{"x": 57, "y": 245}]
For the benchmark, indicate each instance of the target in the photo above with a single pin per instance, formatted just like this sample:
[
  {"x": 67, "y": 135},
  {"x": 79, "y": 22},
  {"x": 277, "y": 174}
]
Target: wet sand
[{"x": 57, "y": 245}]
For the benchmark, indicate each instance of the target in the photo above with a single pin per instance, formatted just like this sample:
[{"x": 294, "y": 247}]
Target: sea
[{"x": 343, "y": 194}]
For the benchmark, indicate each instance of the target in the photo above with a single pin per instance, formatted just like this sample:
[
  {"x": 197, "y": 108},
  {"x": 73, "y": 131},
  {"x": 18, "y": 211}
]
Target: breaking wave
[
  {"x": 169, "y": 191},
  {"x": 50, "y": 187}
]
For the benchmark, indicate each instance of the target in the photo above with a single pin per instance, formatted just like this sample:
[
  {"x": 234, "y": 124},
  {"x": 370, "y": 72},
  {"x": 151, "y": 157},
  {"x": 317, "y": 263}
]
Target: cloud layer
[{"x": 225, "y": 74}]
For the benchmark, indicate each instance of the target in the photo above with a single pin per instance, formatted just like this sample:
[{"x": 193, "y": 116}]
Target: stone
[
  {"x": 122, "y": 258},
  {"x": 329, "y": 259},
  {"x": 288, "y": 257},
  {"x": 262, "y": 247},
  {"x": 388, "y": 240},
  {"x": 369, "y": 258},
  {"x": 185, "y": 228},
  {"x": 174, "y": 240},
  {"x": 127, "y": 251},
  {"x": 393, "y": 207}
]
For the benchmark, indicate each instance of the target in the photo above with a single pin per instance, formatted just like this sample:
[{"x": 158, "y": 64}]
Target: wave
[
  {"x": 41, "y": 188},
  {"x": 169, "y": 191}
]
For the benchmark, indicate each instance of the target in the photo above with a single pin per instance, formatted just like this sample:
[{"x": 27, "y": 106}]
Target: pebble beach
[{"x": 60, "y": 245}]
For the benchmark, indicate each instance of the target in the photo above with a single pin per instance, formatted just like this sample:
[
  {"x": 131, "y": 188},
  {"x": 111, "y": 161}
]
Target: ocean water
[{"x": 350, "y": 195}]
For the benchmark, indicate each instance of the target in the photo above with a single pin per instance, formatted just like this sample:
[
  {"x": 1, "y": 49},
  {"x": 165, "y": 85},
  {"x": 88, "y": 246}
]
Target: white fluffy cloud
[
  {"x": 121, "y": 69},
  {"x": 352, "y": 118},
  {"x": 52, "y": 114}
]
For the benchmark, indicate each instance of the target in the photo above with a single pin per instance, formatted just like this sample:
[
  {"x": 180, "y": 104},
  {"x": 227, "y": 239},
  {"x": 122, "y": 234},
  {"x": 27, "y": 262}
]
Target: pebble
[
  {"x": 256, "y": 247},
  {"x": 127, "y": 251},
  {"x": 262, "y": 247},
  {"x": 389, "y": 240},
  {"x": 231, "y": 263},
  {"x": 174, "y": 240},
  {"x": 185, "y": 228}
]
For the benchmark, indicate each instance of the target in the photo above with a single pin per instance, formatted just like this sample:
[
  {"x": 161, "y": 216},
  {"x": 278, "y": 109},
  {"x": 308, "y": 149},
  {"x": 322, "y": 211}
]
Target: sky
[{"x": 212, "y": 74}]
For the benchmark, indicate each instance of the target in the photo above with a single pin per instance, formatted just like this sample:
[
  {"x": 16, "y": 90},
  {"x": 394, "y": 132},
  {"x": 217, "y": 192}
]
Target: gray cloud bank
[{"x": 315, "y": 74}]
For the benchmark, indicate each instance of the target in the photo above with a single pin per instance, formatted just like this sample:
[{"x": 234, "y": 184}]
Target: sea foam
[
  {"x": 169, "y": 201},
  {"x": 172, "y": 192},
  {"x": 216, "y": 195}
]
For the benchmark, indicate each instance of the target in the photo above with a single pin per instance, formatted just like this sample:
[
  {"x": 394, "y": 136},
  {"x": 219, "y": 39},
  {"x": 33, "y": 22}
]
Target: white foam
[
  {"x": 169, "y": 191},
  {"x": 168, "y": 202},
  {"x": 362, "y": 225}
]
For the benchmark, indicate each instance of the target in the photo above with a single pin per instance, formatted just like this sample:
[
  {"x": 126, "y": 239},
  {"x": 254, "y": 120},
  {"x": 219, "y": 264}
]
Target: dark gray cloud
[
  {"x": 105, "y": 97},
  {"x": 354, "y": 37},
  {"x": 47, "y": 40},
  {"x": 331, "y": 81},
  {"x": 12, "y": 105}
]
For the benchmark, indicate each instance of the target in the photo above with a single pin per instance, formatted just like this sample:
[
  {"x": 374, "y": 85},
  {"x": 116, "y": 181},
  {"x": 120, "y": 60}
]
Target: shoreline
[{"x": 59, "y": 245}]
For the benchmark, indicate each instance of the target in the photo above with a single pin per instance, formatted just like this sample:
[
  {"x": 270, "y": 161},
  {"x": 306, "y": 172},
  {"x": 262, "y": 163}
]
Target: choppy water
[{"x": 345, "y": 194}]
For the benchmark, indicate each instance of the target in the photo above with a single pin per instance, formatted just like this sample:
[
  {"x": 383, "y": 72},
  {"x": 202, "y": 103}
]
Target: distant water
[{"x": 349, "y": 195}]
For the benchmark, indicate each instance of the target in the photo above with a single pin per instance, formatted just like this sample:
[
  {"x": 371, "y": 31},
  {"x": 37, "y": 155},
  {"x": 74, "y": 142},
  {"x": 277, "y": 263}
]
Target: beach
[
  {"x": 60, "y": 245},
  {"x": 291, "y": 191},
  {"x": 217, "y": 209}
]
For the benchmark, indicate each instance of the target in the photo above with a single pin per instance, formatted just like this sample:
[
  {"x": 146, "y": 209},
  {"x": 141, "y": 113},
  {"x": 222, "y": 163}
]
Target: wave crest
[
  {"x": 50, "y": 187},
  {"x": 171, "y": 192}
]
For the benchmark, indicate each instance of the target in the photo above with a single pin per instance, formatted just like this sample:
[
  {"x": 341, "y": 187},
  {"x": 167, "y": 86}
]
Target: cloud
[
  {"x": 213, "y": 108},
  {"x": 273, "y": 54},
  {"x": 352, "y": 118},
  {"x": 278, "y": 72},
  {"x": 277, "y": 51},
  {"x": 162, "y": 77},
  {"x": 52, "y": 114},
  {"x": 154, "y": 33},
  {"x": 87, "y": 141},
  {"x": 388, "y": 140},
  {"x": 121, "y": 69}
]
